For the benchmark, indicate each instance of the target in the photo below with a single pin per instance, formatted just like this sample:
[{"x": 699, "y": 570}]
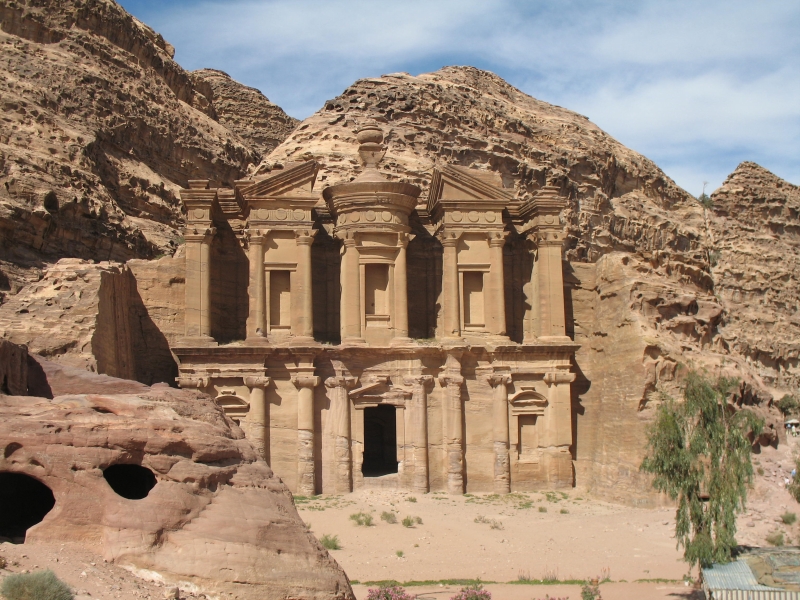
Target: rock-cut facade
[{"x": 364, "y": 338}]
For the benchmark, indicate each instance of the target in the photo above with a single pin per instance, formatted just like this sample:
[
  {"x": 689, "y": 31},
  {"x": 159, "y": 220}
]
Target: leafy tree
[
  {"x": 699, "y": 452},
  {"x": 788, "y": 404}
]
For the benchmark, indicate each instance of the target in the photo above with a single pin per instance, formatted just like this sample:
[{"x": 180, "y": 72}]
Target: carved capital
[
  {"x": 341, "y": 381},
  {"x": 192, "y": 382},
  {"x": 497, "y": 239},
  {"x": 253, "y": 381},
  {"x": 256, "y": 236},
  {"x": 555, "y": 377},
  {"x": 451, "y": 380},
  {"x": 417, "y": 381},
  {"x": 305, "y": 381},
  {"x": 305, "y": 237},
  {"x": 496, "y": 379},
  {"x": 199, "y": 234},
  {"x": 449, "y": 240}
]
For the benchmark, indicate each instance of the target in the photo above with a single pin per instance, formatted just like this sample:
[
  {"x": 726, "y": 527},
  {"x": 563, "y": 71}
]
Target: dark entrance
[
  {"x": 24, "y": 502},
  {"x": 133, "y": 482},
  {"x": 380, "y": 441}
]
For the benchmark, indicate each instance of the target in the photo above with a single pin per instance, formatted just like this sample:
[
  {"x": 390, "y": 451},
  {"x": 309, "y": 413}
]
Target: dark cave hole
[
  {"x": 24, "y": 502},
  {"x": 133, "y": 482}
]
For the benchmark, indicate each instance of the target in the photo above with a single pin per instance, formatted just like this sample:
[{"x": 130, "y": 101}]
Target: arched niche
[
  {"x": 527, "y": 412},
  {"x": 234, "y": 406}
]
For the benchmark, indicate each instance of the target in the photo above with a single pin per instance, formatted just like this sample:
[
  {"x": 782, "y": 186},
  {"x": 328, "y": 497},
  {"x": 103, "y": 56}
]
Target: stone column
[
  {"x": 351, "y": 293},
  {"x": 502, "y": 465},
  {"x": 401, "y": 293},
  {"x": 258, "y": 417},
  {"x": 497, "y": 296},
  {"x": 198, "y": 284},
  {"x": 340, "y": 416},
  {"x": 256, "y": 322},
  {"x": 452, "y": 310},
  {"x": 304, "y": 323},
  {"x": 547, "y": 282},
  {"x": 306, "y": 480},
  {"x": 453, "y": 430},
  {"x": 418, "y": 429}
]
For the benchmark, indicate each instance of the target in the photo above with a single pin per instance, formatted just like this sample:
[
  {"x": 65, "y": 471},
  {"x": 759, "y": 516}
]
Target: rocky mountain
[
  {"x": 754, "y": 231},
  {"x": 100, "y": 129}
]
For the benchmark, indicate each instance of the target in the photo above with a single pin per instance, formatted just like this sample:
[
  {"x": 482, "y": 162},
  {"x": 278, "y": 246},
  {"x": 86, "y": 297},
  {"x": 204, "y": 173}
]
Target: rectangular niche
[
  {"x": 474, "y": 315},
  {"x": 376, "y": 294},
  {"x": 280, "y": 300},
  {"x": 528, "y": 438}
]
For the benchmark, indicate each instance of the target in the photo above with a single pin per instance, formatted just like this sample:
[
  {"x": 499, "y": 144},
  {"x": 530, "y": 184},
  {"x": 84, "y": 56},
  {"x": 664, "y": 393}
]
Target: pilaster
[
  {"x": 258, "y": 416},
  {"x": 340, "y": 415},
  {"x": 418, "y": 429}
]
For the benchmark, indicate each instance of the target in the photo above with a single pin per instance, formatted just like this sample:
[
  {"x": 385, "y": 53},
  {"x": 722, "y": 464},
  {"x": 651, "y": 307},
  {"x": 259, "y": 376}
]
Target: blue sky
[{"x": 697, "y": 86}]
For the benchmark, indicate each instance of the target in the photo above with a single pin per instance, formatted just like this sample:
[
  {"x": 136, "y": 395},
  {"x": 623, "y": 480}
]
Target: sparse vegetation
[
  {"x": 550, "y": 575},
  {"x": 699, "y": 454},
  {"x": 408, "y": 522},
  {"x": 788, "y": 518},
  {"x": 760, "y": 470},
  {"x": 564, "y": 511},
  {"x": 788, "y": 405},
  {"x": 524, "y": 576},
  {"x": 389, "y": 517},
  {"x": 492, "y": 523},
  {"x": 542, "y": 509},
  {"x": 388, "y": 592},
  {"x": 473, "y": 592},
  {"x": 775, "y": 538},
  {"x": 361, "y": 518},
  {"x": 400, "y": 554},
  {"x": 590, "y": 591},
  {"x": 411, "y": 499},
  {"x": 40, "y": 585},
  {"x": 330, "y": 542}
]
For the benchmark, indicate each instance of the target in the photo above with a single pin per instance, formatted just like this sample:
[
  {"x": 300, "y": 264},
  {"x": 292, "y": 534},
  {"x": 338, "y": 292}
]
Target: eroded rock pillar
[
  {"x": 497, "y": 298},
  {"x": 418, "y": 429},
  {"x": 304, "y": 323},
  {"x": 306, "y": 480},
  {"x": 452, "y": 316},
  {"x": 258, "y": 416},
  {"x": 351, "y": 293},
  {"x": 453, "y": 407},
  {"x": 256, "y": 323},
  {"x": 340, "y": 414},
  {"x": 198, "y": 284},
  {"x": 502, "y": 465}
]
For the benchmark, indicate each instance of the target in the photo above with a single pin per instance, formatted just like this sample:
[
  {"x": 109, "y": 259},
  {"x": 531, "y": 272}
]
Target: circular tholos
[
  {"x": 24, "y": 502},
  {"x": 133, "y": 482}
]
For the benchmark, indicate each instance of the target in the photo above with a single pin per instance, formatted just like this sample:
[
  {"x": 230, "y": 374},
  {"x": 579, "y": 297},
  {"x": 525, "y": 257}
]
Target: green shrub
[
  {"x": 564, "y": 511},
  {"x": 411, "y": 499},
  {"x": 788, "y": 404},
  {"x": 331, "y": 542},
  {"x": 542, "y": 509},
  {"x": 590, "y": 591},
  {"x": 408, "y": 522},
  {"x": 775, "y": 538},
  {"x": 400, "y": 554},
  {"x": 362, "y": 518},
  {"x": 41, "y": 585},
  {"x": 389, "y": 517},
  {"x": 788, "y": 518},
  {"x": 418, "y": 520}
]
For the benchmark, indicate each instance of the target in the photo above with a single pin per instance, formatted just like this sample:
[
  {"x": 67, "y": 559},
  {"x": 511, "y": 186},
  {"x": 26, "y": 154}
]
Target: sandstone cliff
[
  {"x": 101, "y": 127},
  {"x": 754, "y": 233},
  {"x": 156, "y": 479}
]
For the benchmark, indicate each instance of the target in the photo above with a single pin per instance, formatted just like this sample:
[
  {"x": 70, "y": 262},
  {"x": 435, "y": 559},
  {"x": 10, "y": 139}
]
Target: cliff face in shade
[
  {"x": 101, "y": 127},
  {"x": 754, "y": 230}
]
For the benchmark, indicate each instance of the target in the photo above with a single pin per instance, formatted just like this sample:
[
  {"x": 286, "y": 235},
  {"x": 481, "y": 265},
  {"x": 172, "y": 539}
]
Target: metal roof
[{"x": 735, "y": 575}]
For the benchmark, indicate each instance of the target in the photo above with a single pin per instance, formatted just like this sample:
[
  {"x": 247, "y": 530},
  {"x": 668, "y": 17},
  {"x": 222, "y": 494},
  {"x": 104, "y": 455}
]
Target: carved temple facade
[{"x": 363, "y": 338}]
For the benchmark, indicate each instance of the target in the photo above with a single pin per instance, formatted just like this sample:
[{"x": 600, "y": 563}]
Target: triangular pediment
[
  {"x": 297, "y": 179},
  {"x": 461, "y": 183}
]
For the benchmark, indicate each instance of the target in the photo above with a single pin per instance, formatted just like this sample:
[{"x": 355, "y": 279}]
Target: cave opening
[
  {"x": 133, "y": 482},
  {"x": 380, "y": 441},
  {"x": 24, "y": 502}
]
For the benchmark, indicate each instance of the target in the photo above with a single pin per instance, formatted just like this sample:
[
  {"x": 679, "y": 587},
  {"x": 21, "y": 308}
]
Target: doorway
[{"x": 380, "y": 441}]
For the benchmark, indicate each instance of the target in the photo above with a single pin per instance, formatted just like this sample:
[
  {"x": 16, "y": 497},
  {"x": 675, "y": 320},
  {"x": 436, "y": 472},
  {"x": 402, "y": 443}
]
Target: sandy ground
[{"x": 498, "y": 539}]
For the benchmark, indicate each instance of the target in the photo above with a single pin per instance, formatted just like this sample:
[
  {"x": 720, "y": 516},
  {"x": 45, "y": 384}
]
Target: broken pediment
[
  {"x": 297, "y": 179},
  {"x": 463, "y": 184},
  {"x": 234, "y": 406}
]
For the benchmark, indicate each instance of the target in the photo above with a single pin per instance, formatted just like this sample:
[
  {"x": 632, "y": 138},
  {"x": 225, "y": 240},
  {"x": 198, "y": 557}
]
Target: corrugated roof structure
[{"x": 735, "y": 575}]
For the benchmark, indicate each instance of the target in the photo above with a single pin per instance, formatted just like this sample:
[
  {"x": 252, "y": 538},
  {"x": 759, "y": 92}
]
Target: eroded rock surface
[
  {"x": 101, "y": 127},
  {"x": 216, "y": 517}
]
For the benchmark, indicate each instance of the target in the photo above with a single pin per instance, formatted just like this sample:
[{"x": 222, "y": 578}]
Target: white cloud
[{"x": 695, "y": 86}]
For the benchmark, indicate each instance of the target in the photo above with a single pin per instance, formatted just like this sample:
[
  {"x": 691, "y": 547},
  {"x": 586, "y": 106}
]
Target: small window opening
[
  {"x": 133, "y": 482},
  {"x": 24, "y": 502},
  {"x": 473, "y": 299},
  {"x": 380, "y": 441},
  {"x": 528, "y": 438},
  {"x": 280, "y": 300}
]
